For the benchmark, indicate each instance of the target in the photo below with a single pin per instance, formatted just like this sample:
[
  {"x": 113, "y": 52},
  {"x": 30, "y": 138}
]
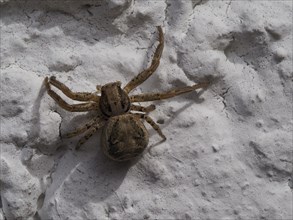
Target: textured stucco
[{"x": 228, "y": 153}]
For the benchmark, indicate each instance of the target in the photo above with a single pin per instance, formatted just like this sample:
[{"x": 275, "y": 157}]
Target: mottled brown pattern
[
  {"x": 114, "y": 101},
  {"x": 124, "y": 136}
]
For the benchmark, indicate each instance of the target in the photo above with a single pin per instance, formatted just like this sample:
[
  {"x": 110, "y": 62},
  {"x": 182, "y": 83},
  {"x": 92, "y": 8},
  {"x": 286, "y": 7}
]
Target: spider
[{"x": 124, "y": 135}]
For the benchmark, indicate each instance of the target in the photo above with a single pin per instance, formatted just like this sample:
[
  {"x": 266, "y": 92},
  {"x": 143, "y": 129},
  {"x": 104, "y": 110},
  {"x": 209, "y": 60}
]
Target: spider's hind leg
[
  {"x": 152, "y": 123},
  {"x": 90, "y": 133},
  {"x": 83, "y": 128}
]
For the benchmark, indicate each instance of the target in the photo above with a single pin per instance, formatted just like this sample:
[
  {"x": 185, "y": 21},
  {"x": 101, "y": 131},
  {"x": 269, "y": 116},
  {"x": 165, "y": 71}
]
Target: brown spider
[{"x": 124, "y": 136}]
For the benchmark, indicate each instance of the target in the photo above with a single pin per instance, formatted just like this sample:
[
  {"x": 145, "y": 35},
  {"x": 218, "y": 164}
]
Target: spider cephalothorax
[
  {"x": 124, "y": 135},
  {"x": 114, "y": 100}
]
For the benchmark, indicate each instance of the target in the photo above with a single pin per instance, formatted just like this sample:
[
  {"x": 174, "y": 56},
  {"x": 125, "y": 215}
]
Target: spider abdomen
[{"x": 124, "y": 137}]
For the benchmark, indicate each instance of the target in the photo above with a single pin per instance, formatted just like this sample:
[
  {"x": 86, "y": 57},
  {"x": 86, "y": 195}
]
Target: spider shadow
[
  {"x": 100, "y": 176},
  {"x": 36, "y": 125},
  {"x": 195, "y": 99},
  {"x": 95, "y": 177}
]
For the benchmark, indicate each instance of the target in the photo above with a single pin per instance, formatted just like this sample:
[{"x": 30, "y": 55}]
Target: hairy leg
[
  {"x": 144, "y": 75},
  {"x": 90, "y": 133},
  {"x": 79, "y": 96},
  {"x": 142, "y": 109},
  {"x": 152, "y": 123},
  {"x": 165, "y": 95},
  {"x": 84, "y": 128},
  {"x": 84, "y": 107}
]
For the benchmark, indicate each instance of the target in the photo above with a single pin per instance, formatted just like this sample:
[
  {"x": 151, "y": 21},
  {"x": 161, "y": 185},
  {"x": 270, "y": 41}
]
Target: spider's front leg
[
  {"x": 165, "y": 95},
  {"x": 78, "y": 96},
  {"x": 84, "y": 107},
  {"x": 144, "y": 75}
]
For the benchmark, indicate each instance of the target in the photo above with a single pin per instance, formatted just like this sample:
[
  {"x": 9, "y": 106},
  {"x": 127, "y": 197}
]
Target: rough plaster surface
[{"x": 229, "y": 149}]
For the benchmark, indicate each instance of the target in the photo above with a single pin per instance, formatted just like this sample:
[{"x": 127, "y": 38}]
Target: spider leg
[
  {"x": 142, "y": 109},
  {"x": 79, "y": 96},
  {"x": 165, "y": 95},
  {"x": 152, "y": 123},
  {"x": 144, "y": 75},
  {"x": 83, "y": 128},
  {"x": 90, "y": 133},
  {"x": 72, "y": 108}
]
